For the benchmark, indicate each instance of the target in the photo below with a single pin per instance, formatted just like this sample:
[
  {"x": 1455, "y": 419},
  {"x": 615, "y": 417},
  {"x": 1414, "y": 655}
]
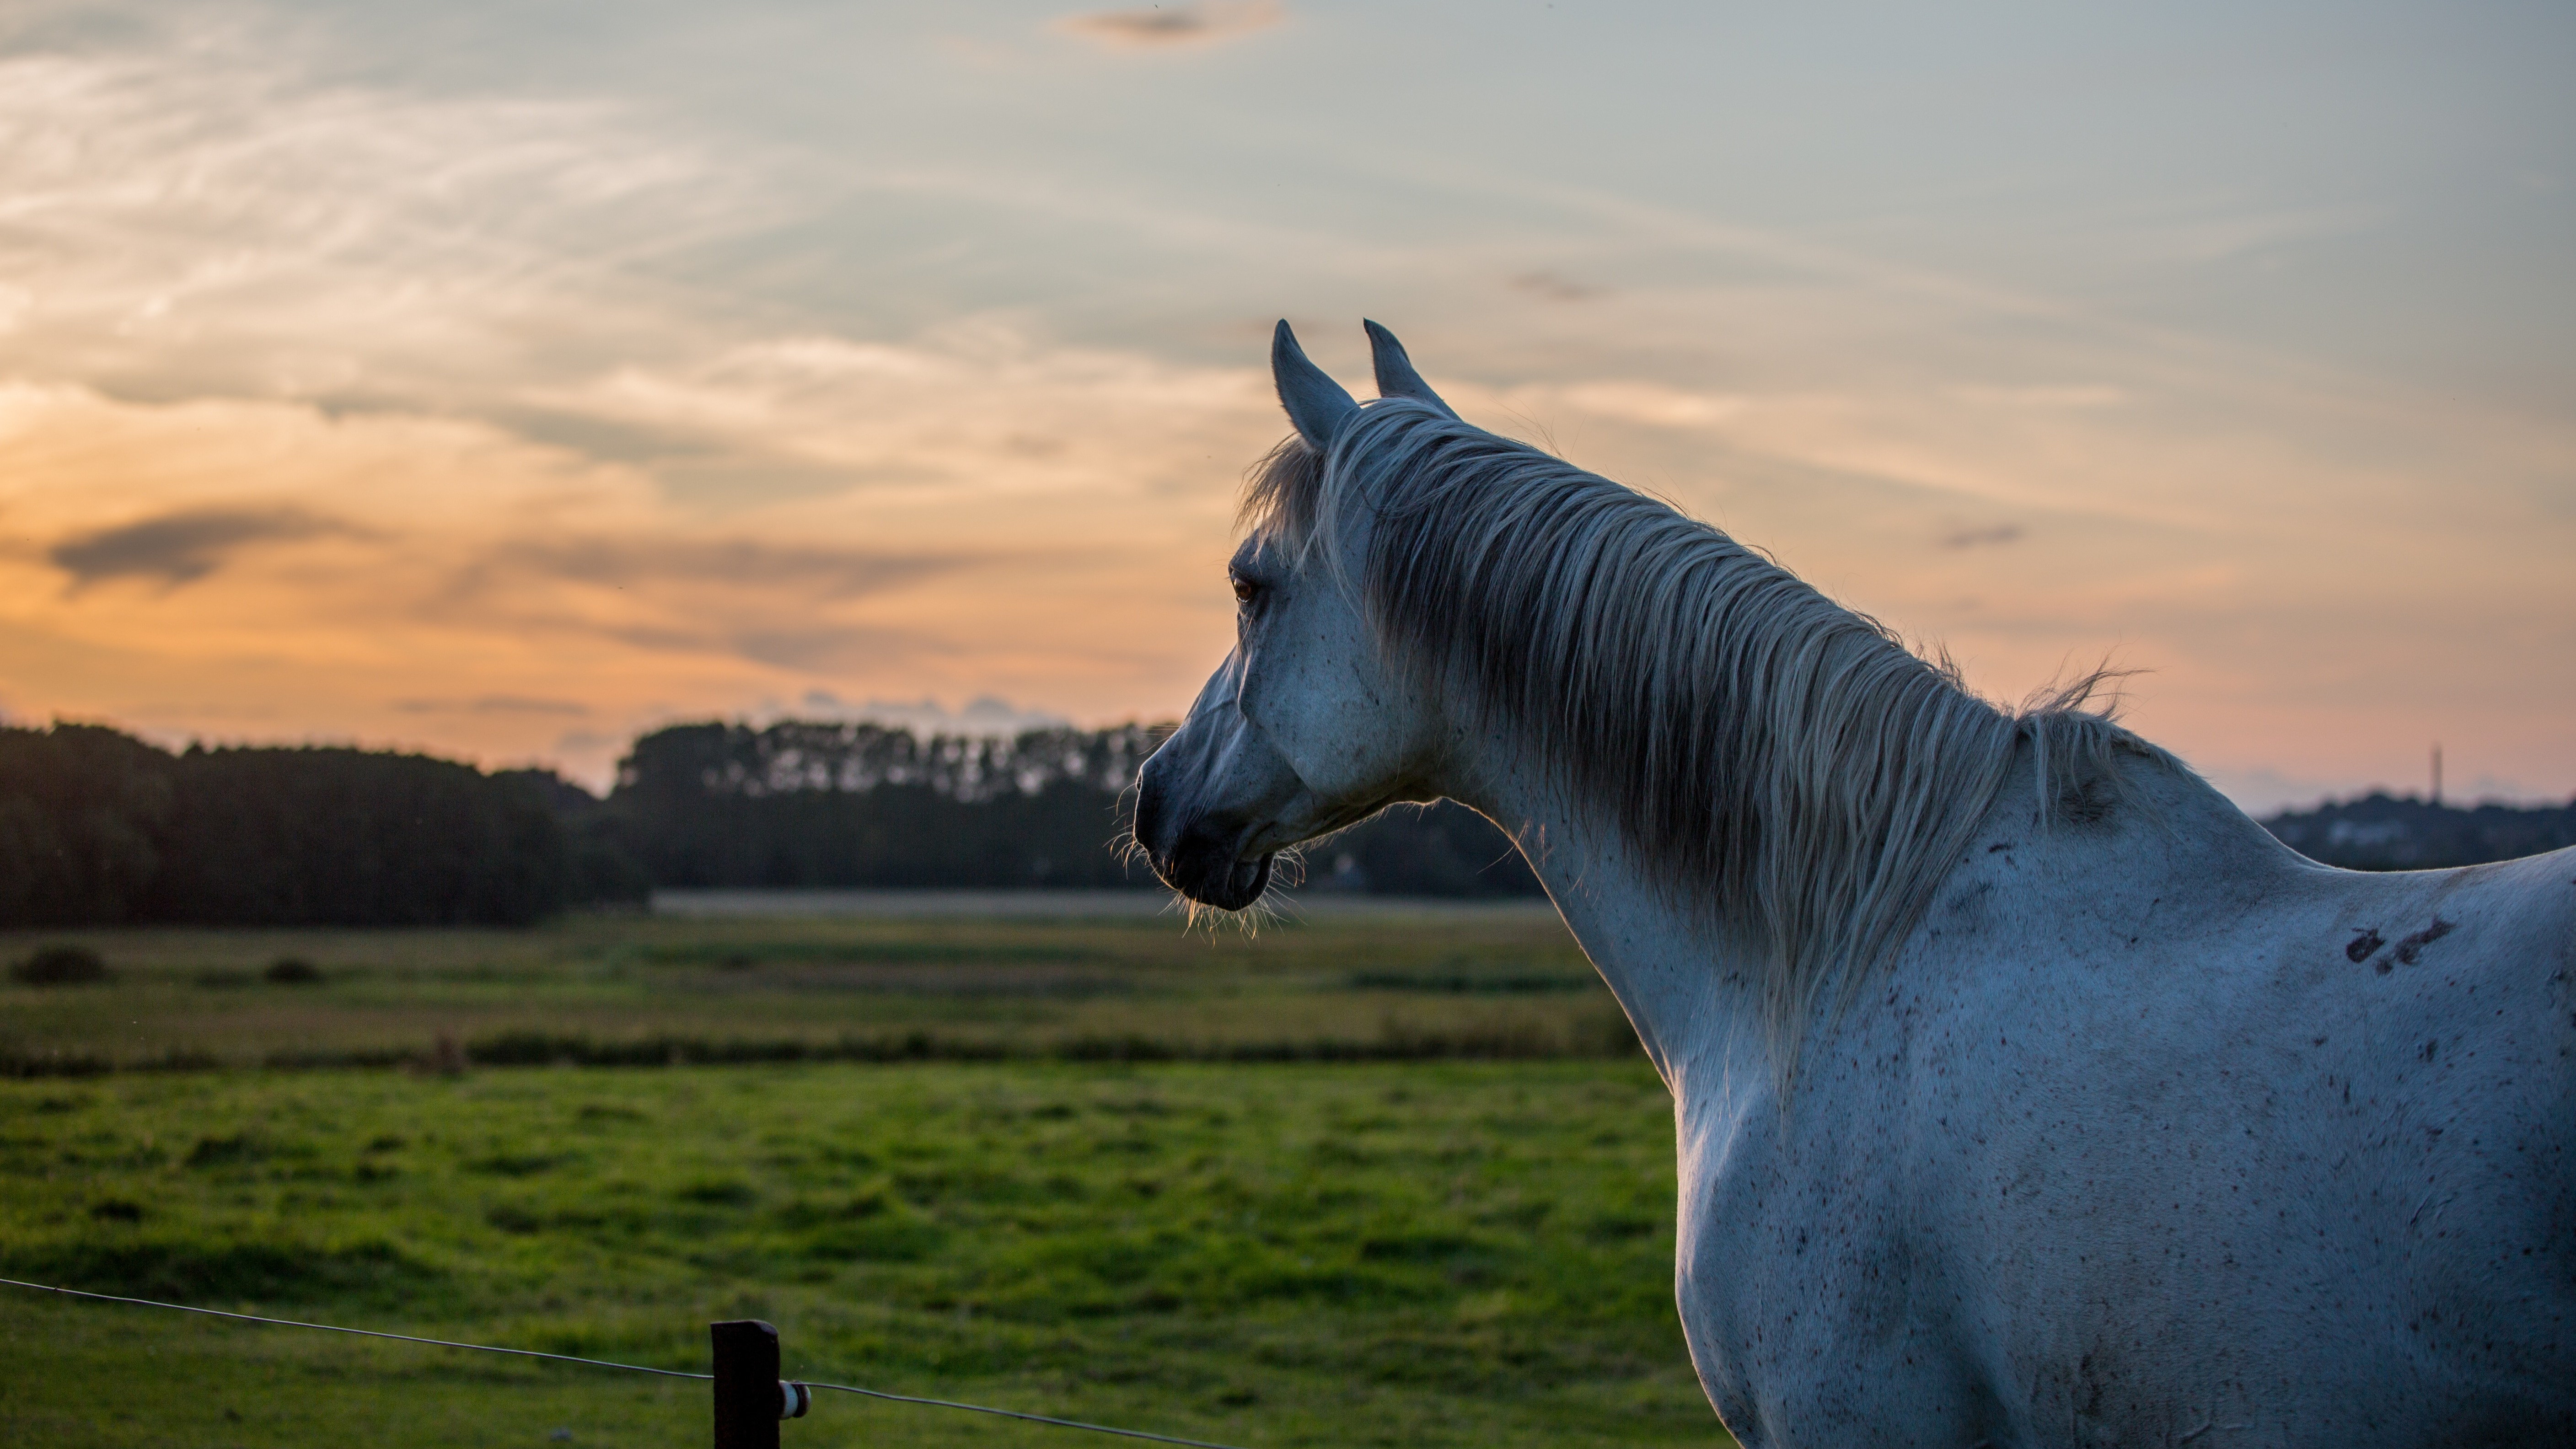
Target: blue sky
[{"x": 503, "y": 379}]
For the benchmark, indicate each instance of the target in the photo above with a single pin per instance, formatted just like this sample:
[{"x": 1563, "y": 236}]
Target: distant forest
[
  {"x": 2380, "y": 832},
  {"x": 802, "y": 804},
  {"x": 99, "y": 828}
]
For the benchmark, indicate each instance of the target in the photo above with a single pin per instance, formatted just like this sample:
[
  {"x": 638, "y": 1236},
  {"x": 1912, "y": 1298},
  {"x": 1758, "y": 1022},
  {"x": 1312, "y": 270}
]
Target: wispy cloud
[
  {"x": 649, "y": 562},
  {"x": 201, "y": 217},
  {"x": 1191, "y": 22},
  {"x": 1554, "y": 287},
  {"x": 1983, "y": 537},
  {"x": 179, "y": 548},
  {"x": 972, "y": 407}
]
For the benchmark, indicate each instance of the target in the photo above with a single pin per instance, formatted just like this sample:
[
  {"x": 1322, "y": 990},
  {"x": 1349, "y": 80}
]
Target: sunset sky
[{"x": 503, "y": 379}]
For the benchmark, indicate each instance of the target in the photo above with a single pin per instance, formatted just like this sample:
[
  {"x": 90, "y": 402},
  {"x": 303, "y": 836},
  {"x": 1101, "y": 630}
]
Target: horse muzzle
[{"x": 1197, "y": 853}]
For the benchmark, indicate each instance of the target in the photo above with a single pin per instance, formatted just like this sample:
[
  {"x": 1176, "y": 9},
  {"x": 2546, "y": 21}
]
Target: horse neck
[
  {"x": 1694, "y": 995},
  {"x": 1694, "y": 987}
]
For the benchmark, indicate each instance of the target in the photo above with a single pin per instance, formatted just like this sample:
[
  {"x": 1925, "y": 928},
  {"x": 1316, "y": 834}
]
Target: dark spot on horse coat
[
  {"x": 1966, "y": 900},
  {"x": 2412, "y": 946},
  {"x": 2362, "y": 945},
  {"x": 1998, "y": 845}
]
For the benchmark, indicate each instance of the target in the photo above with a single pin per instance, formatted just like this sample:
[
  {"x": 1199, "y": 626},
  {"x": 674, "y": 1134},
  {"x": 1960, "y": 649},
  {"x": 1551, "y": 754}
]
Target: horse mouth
[{"x": 1227, "y": 884}]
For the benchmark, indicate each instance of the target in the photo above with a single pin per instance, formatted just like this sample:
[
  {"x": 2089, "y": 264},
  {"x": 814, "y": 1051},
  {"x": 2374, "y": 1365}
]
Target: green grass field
[
  {"x": 1499, "y": 982},
  {"x": 1413, "y": 1252}
]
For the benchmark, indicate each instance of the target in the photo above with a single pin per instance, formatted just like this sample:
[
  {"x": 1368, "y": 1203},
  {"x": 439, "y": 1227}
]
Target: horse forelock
[
  {"x": 1281, "y": 495},
  {"x": 1784, "y": 766}
]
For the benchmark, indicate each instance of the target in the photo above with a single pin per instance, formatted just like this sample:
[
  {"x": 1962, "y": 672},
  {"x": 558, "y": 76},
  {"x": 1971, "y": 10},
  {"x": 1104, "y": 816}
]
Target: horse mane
[{"x": 1781, "y": 764}]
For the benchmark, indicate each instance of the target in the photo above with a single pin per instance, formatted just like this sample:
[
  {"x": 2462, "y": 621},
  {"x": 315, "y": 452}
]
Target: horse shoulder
[{"x": 1811, "y": 1316}]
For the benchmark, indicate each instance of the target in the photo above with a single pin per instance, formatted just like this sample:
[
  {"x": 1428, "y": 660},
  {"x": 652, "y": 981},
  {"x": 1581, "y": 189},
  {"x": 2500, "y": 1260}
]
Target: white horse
[{"x": 2026, "y": 1092}]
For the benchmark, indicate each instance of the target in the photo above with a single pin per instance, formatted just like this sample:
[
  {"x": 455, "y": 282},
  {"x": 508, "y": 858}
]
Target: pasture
[
  {"x": 1489, "y": 981},
  {"x": 1108, "y": 1219}
]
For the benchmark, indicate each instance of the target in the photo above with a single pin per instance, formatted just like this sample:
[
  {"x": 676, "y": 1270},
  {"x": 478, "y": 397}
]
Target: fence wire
[{"x": 633, "y": 1368}]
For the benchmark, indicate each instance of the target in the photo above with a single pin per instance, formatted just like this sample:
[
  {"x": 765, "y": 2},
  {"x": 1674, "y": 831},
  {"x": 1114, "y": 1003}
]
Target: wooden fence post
[{"x": 750, "y": 1400}]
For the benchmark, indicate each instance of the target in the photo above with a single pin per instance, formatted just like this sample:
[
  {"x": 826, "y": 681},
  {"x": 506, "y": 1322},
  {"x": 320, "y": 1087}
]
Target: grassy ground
[
  {"x": 1265, "y": 1255},
  {"x": 1504, "y": 982},
  {"x": 1418, "y": 1252}
]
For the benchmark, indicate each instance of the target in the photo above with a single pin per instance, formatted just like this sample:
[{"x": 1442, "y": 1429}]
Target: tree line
[
  {"x": 2384, "y": 832},
  {"x": 100, "y": 828},
  {"x": 803, "y": 804}
]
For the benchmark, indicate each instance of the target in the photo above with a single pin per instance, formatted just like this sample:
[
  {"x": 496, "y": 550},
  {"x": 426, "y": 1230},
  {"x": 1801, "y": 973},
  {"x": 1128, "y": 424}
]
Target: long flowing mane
[{"x": 1782, "y": 763}]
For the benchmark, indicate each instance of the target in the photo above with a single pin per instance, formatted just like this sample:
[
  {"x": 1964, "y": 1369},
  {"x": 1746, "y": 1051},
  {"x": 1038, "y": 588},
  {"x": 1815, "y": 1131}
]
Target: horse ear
[
  {"x": 1395, "y": 374},
  {"x": 1315, "y": 403}
]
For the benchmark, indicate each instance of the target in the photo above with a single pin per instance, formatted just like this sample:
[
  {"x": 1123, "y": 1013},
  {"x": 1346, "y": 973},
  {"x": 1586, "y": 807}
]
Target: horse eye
[{"x": 1245, "y": 590}]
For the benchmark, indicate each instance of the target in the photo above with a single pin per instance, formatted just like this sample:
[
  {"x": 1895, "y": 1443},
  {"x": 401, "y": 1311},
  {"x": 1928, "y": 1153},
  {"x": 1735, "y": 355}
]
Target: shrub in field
[
  {"x": 292, "y": 971},
  {"x": 59, "y": 966}
]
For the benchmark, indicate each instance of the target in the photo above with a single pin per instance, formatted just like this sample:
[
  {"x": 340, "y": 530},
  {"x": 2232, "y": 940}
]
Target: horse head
[{"x": 1305, "y": 728}]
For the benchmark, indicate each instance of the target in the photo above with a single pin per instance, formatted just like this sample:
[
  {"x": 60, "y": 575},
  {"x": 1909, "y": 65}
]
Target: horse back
[
  {"x": 2157, "y": 1150},
  {"x": 2312, "y": 1146}
]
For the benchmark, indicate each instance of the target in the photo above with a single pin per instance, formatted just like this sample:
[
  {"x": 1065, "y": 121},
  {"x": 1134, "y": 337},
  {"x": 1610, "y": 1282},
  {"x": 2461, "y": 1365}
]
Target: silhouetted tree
[
  {"x": 99, "y": 828},
  {"x": 310, "y": 837},
  {"x": 834, "y": 804},
  {"x": 1442, "y": 849},
  {"x": 84, "y": 814},
  {"x": 605, "y": 869}
]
